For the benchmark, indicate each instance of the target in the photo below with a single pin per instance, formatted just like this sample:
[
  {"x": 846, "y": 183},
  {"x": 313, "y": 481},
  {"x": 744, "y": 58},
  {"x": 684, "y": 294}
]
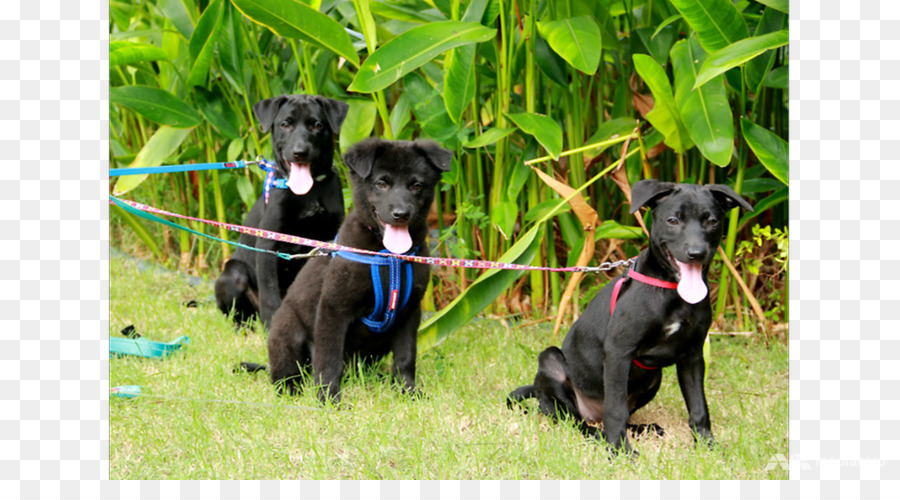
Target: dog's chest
[{"x": 677, "y": 332}]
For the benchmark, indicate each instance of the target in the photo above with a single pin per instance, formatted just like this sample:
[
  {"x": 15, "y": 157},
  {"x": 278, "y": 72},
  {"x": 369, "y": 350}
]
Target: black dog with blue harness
[{"x": 327, "y": 316}]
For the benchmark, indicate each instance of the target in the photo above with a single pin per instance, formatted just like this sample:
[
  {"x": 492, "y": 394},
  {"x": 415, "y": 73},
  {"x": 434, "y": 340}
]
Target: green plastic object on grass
[{"x": 145, "y": 348}]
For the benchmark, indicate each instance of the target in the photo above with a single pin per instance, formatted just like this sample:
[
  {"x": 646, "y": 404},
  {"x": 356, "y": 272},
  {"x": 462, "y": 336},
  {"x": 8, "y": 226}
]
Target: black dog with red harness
[{"x": 656, "y": 315}]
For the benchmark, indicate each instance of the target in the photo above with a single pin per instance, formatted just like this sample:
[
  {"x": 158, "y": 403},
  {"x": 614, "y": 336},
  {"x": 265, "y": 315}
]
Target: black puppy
[
  {"x": 323, "y": 319},
  {"x": 657, "y": 315},
  {"x": 312, "y": 205}
]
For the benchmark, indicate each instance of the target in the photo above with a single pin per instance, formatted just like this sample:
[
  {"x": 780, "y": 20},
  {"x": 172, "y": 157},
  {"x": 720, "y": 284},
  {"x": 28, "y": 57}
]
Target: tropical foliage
[{"x": 593, "y": 94}]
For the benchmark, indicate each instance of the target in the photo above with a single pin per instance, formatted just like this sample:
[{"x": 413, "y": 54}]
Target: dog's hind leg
[
  {"x": 236, "y": 290},
  {"x": 289, "y": 353}
]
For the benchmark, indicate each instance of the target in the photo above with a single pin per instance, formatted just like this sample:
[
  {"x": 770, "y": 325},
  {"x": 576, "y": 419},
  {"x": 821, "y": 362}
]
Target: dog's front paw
[
  {"x": 414, "y": 394},
  {"x": 707, "y": 440},
  {"x": 618, "y": 448}
]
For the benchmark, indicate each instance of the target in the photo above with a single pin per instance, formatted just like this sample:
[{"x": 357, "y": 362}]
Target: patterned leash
[{"x": 320, "y": 246}]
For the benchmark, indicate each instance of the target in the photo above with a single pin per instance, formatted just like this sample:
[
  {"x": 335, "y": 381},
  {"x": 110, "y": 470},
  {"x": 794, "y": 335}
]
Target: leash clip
[{"x": 315, "y": 252}]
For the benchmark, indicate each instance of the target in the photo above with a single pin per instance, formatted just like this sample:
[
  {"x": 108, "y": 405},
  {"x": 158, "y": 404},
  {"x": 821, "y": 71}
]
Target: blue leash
[
  {"x": 265, "y": 165},
  {"x": 165, "y": 169},
  {"x": 385, "y": 313}
]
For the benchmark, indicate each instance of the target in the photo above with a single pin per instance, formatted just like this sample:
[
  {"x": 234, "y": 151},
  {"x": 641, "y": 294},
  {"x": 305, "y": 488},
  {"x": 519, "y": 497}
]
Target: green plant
[
  {"x": 764, "y": 258},
  {"x": 499, "y": 82}
]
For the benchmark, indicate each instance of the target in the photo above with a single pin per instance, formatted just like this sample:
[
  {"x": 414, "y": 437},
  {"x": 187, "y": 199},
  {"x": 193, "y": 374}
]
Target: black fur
[
  {"x": 318, "y": 326},
  {"x": 303, "y": 130},
  {"x": 593, "y": 377}
]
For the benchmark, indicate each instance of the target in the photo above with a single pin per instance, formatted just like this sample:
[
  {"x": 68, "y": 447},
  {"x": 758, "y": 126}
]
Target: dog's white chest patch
[{"x": 671, "y": 328}]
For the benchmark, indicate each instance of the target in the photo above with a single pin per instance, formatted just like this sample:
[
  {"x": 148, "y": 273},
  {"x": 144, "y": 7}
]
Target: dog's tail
[
  {"x": 246, "y": 366},
  {"x": 516, "y": 397}
]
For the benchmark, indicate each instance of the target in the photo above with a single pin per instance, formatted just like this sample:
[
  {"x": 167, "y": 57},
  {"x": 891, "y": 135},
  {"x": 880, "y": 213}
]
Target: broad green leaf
[
  {"x": 760, "y": 185},
  {"x": 658, "y": 45},
  {"x": 664, "y": 116},
  {"x": 428, "y": 108},
  {"x": 124, "y": 52},
  {"x": 780, "y": 5},
  {"x": 218, "y": 112},
  {"x": 231, "y": 49},
  {"x": 613, "y": 230},
  {"x": 203, "y": 42},
  {"x": 359, "y": 122},
  {"x": 293, "y": 19},
  {"x": 400, "y": 115},
  {"x": 488, "y": 137},
  {"x": 543, "y": 128},
  {"x": 576, "y": 39},
  {"x": 669, "y": 20},
  {"x": 475, "y": 11},
  {"x": 706, "y": 111},
  {"x": 758, "y": 67},
  {"x": 611, "y": 129},
  {"x": 180, "y": 14},
  {"x": 156, "y": 105},
  {"x": 503, "y": 216},
  {"x": 519, "y": 173},
  {"x": 777, "y": 78},
  {"x": 412, "y": 49},
  {"x": 549, "y": 62},
  {"x": 459, "y": 80},
  {"x": 771, "y": 150},
  {"x": 366, "y": 23},
  {"x": 400, "y": 13},
  {"x": 158, "y": 149},
  {"x": 546, "y": 209},
  {"x": 738, "y": 53},
  {"x": 480, "y": 293},
  {"x": 245, "y": 191},
  {"x": 718, "y": 23},
  {"x": 766, "y": 203}
]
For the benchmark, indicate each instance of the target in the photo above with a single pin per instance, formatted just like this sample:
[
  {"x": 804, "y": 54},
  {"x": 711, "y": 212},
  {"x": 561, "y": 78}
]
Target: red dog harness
[{"x": 631, "y": 273}]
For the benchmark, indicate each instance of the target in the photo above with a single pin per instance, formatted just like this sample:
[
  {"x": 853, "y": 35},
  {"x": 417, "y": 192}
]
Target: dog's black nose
[
  {"x": 301, "y": 153},
  {"x": 696, "y": 253},
  {"x": 400, "y": 215}
]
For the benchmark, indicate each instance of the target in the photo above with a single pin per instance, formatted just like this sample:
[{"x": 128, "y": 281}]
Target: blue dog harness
[{"x": 385, "y": 312}]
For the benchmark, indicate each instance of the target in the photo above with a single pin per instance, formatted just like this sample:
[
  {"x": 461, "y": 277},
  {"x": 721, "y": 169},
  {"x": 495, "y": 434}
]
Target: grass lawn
[{"x": 196, "y": 419}]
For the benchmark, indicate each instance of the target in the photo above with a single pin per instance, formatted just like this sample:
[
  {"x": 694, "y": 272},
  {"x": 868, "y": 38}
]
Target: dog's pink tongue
[
  {"x": 300, "y": 180},
  {"x": 396, "y": 239},
  {"x": 691, "y": 287}
]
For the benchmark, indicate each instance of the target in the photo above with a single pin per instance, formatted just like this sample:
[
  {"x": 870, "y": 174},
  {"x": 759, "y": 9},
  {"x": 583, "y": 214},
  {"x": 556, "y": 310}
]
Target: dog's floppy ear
[
  {"x": 336, "y": 111},
  {"x": 439, "y": 157},
  {"x": 360, "y": 158},
  {"x": 727, "y": 198},
  {"x": 265, "y": 111},
  {"x": 649, "y": 192}
]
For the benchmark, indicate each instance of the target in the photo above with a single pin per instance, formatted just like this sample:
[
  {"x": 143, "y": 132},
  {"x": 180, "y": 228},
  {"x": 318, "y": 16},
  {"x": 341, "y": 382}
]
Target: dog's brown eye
[
  {"x": 316, "y": 126},
  {"x": 286, "y": 124},
  {"x": 381, "y": 185},
  {"x": 712, "y": 222},
  {"x": 672, "y": 221},
  {"x": 416, "y": 187}
]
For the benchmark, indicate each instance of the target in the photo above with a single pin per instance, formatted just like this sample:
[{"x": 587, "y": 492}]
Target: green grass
[{"x": 196, "y": 419}]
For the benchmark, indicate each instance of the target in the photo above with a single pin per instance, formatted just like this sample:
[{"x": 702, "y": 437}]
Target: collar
[{"x": 271, "y": 182}]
